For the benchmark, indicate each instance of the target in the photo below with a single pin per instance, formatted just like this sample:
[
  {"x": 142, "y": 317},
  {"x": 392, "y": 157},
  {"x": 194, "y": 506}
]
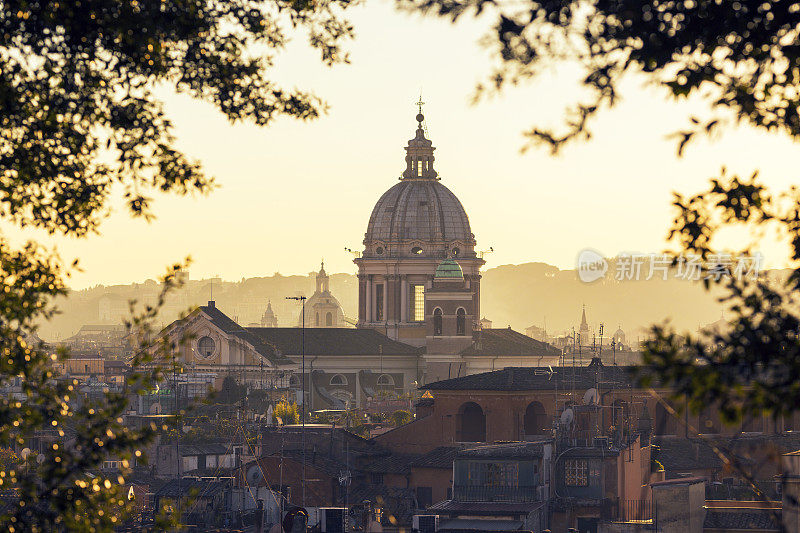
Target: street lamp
[{"x": 302, "y": 300}]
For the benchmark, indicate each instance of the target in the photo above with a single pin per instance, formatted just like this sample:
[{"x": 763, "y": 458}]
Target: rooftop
[
  {"x": 538, "y": 378},
  {"x": 500, "y": 341},
  {"x": 330, "y": 341}
]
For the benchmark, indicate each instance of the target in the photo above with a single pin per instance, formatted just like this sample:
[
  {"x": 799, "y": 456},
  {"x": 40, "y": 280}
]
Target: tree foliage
[
  {"x": 401, "y": 417},
  {"x": 741, "y": 57},
  {"x": 289, "y": 413},
  {"x": 751, "y": 368},
  {"x": 77, "y": 84},
  {"x": 78, "y": 116}
]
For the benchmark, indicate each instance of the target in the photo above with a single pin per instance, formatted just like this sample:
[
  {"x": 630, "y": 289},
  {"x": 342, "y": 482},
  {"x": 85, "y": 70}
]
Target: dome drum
[{"x": 417, "y": 248}]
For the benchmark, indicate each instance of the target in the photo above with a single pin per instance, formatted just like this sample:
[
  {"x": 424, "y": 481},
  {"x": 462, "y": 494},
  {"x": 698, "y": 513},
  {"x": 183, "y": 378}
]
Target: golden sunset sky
[{"x": 293, "y": 193}]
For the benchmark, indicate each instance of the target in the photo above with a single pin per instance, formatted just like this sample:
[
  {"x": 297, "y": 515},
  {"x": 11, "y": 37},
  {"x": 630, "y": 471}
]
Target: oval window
[
  {"x": 416, "y": 250},
  {"x": 379, "y": 250},
  {"x": 206, "y": 346},
  {"x": 456, "y": 251}
]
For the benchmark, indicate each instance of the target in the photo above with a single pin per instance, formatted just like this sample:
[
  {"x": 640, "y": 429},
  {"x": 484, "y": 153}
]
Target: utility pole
[
  {"x": 302, "y": 300},
  {"x": 177, "y": 430}
]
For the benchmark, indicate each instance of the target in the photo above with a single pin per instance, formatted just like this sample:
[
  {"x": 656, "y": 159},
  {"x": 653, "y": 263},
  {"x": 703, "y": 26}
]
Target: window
[
  {"x": 386, "y": 380},
  {"x": 416, "y": 250},
  {"x": 206, "y": 346},
  {"x": 316, "y": 319},
  {"x": 418, "y": 313},
  {"x": 424, "y": 497},
  {"x": 461, "y": 321},
  {"x": 338, "y": 379},
  {"x": 500, "y": 474},
  {"x": 378, "y": 303},
  {"x": 377, "y": 478},
  {"x": 437, "y": 321},
  {"x": 329, "y": 319},
  {"x": 576, "y": 472},
  {"x": 420, "y": 167}
]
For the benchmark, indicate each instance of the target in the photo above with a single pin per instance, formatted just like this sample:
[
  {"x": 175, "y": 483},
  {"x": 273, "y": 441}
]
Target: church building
[
  {"x": 415, "y": 226},
  {"x": 419, "y": 316}
]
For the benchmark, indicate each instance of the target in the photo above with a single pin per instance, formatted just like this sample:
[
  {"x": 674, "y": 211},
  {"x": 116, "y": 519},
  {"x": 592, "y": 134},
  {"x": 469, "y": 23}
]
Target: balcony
[
  {"x": 620, "y": 510},
  {"x": 467, "y": 493}
]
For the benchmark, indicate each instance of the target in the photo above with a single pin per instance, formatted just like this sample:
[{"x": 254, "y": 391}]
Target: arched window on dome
[
  {"x": 339, "y": 379},
  {"x": 461, "y": 321},
  {"x": 316, "y": 319},
  {"x": 437, "y": 321},
  {"x": 329, "y": 319}
]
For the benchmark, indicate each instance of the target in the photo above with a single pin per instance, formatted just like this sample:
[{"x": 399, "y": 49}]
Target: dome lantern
[{"x": 419, "y": 153}]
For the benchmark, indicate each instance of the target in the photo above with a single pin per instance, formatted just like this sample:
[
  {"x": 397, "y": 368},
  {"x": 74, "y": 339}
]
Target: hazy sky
[{"x": 296, "y": 192}]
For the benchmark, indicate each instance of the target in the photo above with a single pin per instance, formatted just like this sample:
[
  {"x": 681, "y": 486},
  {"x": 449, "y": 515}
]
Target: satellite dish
[
  {"x": 567, "y": 416},
  {"x": 254, "y": 475},
  {"x": 591, "y": 397}
]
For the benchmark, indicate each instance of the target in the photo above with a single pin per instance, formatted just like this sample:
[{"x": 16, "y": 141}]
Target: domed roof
[
  {"x": 419, "y": 207},
  {"x": 449, "y": 269},
  {"x": 422, "y": 210}
]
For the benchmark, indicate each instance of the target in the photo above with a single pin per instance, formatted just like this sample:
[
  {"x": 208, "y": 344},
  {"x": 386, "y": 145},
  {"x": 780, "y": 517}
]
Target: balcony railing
[
  {"x": 467, "y": 493},
  {"x": 627, "y": 510}
]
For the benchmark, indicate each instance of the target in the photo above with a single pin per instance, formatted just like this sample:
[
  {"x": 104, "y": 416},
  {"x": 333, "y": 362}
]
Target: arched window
[
  {"x": 461, "y": 321},
  {"x": 437, "y": 321},
  {"x": 294, "y": 381},
  {"x": 338, "y": 379},
  {"x": 535, "y": 420},
  {"x": 471, "y": 425},
  {"x": 329, "y": 319},
  {"x": 316, "y": 319},
  {"x": 385, "y": 380}
]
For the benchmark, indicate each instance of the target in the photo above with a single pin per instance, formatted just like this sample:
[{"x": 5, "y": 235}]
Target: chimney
[{"x": 212, "y": 304}]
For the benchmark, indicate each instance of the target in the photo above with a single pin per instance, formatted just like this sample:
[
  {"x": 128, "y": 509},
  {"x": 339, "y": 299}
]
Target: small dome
[{"x": 449, "y": 269}]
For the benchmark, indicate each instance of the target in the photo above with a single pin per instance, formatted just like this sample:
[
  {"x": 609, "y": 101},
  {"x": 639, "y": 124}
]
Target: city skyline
[{"x": 612, "y": 193}]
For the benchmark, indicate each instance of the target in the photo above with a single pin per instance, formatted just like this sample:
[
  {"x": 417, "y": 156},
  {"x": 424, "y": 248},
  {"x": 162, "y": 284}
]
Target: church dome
[
  {"x": 419, "y": 215},
  {"x": 419, "y": 210}
]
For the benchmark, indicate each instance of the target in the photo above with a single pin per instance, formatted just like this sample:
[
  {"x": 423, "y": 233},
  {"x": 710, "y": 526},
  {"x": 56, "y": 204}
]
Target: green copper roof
[{"x": 449, "y": 269}]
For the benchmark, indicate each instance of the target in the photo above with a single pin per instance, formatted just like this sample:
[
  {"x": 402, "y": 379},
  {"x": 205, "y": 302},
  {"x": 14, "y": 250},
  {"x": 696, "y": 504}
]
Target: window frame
[{"x": 576, "y": 472}]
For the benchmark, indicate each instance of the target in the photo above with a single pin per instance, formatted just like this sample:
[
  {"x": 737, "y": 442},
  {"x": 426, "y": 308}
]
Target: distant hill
[{"x": 515, "y": 295}]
